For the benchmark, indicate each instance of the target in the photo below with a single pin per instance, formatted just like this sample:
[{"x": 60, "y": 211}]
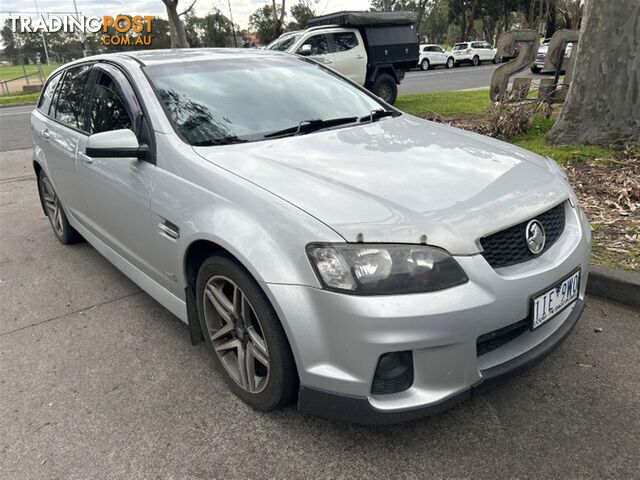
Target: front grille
[
  {"x": 509, "y": 247},
  {"x": 492, "y": 340}
]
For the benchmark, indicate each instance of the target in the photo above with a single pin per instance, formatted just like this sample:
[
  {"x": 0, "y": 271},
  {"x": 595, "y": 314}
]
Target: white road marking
[
  {"x": 15, "y": 113},
  {"x": 448, "y": 72}
]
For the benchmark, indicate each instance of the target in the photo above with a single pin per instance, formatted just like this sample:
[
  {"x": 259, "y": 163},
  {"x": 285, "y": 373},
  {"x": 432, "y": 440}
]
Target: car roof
[{"x": 186, "y": 55}]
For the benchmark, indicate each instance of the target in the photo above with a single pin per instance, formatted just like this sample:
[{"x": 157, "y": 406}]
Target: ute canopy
[{"x": 365, "y": 19}]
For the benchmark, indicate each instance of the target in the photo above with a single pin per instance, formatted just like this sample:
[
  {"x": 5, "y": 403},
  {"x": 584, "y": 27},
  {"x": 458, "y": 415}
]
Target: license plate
[{"x": 553, "y": 301}]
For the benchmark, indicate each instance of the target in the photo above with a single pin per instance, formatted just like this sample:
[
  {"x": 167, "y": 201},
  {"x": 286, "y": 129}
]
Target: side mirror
[
  {"x": 115, "y": 144},
  {"x": 305, "y": 50}
]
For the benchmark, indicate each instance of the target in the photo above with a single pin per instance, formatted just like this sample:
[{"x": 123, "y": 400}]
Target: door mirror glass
[
  {"x": 305, "y": 50},
  {"x": 115, "y": 144}
]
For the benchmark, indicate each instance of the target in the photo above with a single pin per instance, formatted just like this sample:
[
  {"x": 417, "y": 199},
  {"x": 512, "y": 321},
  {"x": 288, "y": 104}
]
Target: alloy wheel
[
  {"x": 52, "y": 204},
  {"x": 236, "y": 333}
]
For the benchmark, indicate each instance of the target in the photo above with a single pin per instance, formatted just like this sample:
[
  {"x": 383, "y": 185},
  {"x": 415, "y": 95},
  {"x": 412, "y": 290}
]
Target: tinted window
[
  {"x": 460, "y": 46},
  {"x": 438, "y": 49},
  {"x": 344, "y": 41},
  {"x": 71, "y": 97},
  {"x": 107, "y": 110},
  {"x": 47, "y": 95},
  {"x": 319, "y": 44},
  {"x": 486, "y": 45},
  {"x": 476, "y": 45},
  {"x": 222, "y": 101}
]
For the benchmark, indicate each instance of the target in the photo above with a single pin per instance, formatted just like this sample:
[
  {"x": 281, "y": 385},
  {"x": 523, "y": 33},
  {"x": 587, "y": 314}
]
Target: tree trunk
[
  {"x": 176, "y": 27},
  {"x": 603, "y": 103}
]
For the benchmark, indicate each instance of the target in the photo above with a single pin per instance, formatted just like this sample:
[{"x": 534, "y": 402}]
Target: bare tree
[
  {"x": 278, "y": 18},
  {"x": 176, "y": 27},
  {"x": 603, "y": 103}
]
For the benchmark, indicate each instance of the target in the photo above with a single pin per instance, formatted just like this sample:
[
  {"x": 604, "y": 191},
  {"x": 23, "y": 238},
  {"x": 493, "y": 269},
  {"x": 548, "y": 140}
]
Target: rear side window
[
  {"x": 47, "y": 95},
  {"x": 108, "y": 110},
  {"x": 69, "y": 107},
  {"x": 344, "y": 41},
  {"x": 477, "y": 45},
  {"x": 460, "y": 46}
]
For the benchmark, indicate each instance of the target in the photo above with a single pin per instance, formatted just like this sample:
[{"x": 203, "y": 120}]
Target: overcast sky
[{"x": 241, "y": 8}]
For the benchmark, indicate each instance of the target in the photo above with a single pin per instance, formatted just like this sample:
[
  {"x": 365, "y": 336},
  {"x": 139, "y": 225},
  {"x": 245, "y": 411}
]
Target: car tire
[
  {"x": 386, "y": 88},
  {"x": 257, "y": 336},
  {"x": 425, "y": 65},
  {"x": 495, "y": 60},
  {"x": 54, "y": 210},
  {"x": 450, "y": 62},
  {"x": 535, "y": 69},
  {"x": 476, "y": 61}
]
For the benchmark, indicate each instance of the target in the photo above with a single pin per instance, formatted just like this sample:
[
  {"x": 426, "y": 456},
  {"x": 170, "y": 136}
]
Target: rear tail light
[{"x": 469, "y": 51}]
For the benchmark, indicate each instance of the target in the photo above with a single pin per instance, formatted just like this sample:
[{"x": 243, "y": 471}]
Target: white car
[
  {"x": 434, "y": 55},
  {"x": 474, "y": 53},
  {"x": 541, "y": 56}
]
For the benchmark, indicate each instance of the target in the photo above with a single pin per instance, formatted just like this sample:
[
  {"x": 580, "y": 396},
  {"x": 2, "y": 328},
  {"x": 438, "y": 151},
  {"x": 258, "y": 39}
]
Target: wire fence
[{"x": 19, "y": 80}]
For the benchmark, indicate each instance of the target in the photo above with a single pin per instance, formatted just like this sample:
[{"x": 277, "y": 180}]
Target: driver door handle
[{"x": 45, "y": 134}]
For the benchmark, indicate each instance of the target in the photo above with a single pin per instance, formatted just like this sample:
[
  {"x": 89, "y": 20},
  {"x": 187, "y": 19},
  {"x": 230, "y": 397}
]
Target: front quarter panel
[{"x": 265, "y": 233}]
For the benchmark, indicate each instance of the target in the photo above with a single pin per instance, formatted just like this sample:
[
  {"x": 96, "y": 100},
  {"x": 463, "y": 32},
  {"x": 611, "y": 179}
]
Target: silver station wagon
[{"x": 329, "y": 249}]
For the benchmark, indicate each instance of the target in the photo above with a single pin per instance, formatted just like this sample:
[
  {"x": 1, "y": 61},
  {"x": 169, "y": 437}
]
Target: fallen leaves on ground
[{"x": 610, "y": 195}]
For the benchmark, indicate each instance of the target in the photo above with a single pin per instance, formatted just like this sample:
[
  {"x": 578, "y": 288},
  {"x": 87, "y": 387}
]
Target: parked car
[
  {"x": 373, "y": 49},
  {"x": 541, "y": 56},
  {"x": 327, "y": 247},
  {"x": 432, "y": 56},
  {"x": 474, "y": 53}
]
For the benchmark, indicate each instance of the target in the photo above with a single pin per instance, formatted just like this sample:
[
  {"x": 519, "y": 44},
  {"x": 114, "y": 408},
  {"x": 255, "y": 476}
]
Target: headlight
[{"x": 381, "y": 269}]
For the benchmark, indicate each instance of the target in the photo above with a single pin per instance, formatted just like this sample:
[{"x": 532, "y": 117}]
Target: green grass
[
  {"x": 25, "y": 99},
  {"x": 446, "y": 104},
  {"x": 12, "y": 71},
  {"x": 534, "y": 140}
]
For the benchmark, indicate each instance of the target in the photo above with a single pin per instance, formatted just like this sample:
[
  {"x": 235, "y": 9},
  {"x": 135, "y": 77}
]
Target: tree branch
[{"x": 189, "y": 9}]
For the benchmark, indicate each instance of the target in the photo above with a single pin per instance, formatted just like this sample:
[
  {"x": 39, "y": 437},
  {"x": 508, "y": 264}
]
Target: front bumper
[
  {"x": 359, "y": 410},
  {"x": 337, "y": 339}
]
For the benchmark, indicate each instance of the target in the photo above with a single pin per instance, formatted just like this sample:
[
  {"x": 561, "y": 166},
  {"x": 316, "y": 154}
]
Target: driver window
[
  {"x": 107, "y": 111},
  {"x": 319, "y": 44}
]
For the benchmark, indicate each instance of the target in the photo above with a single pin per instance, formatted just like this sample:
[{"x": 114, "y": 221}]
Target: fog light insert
[{"x": 394, "y": 373}]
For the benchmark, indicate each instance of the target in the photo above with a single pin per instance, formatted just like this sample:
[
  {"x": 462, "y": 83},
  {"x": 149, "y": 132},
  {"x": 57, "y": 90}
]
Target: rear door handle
[{"x": 45, "y": 134}]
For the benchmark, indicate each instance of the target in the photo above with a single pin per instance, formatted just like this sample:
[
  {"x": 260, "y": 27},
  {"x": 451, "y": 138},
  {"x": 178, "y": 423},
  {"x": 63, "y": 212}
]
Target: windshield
[
  {"x": 460, "y": 46},
  {"x": 220, "y": 101},
  {"x": 283, "y": 44}
]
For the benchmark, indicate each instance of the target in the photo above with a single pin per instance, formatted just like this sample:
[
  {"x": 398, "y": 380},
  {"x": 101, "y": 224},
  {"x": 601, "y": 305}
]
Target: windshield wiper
[
  {"x": 377, "y": 115},
  {"x": 220, "y": 141},
  {"x": 308, "y": 126}
]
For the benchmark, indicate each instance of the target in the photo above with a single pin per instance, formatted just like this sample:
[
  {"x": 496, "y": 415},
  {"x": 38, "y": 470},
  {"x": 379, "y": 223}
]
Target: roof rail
[{"x": 322, "y": 27}]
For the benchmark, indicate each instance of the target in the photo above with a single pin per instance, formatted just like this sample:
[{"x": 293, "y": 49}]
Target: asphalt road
[
  {"x": 15, "y": 131},
  {"x": 14, "y": 121},
  {"x": 462, "y": 78},
  {"x": 97, "y": 380}
]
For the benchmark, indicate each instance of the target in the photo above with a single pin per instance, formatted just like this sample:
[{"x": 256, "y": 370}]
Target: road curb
[
  {"x": 26, "y": 104},
  {"x": 615, "y": 285}
]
